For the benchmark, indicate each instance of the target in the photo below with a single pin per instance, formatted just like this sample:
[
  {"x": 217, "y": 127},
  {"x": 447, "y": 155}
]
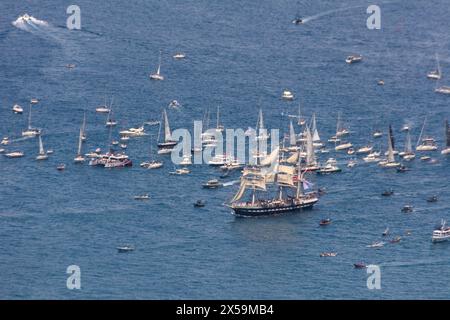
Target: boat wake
[
  {"x": 230, "y": 183},
  {"x": 325, "y": 13},
  {"x": 29, "y": 23},
  {"x": 413, "y": 263}
]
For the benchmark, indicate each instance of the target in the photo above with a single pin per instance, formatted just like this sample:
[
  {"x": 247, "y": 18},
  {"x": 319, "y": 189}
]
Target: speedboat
[
  {"x": 14, "y": 154},
  {"x": 387, "y": 193},
  {"x": 142, "y": 197},
  {"x": 443, "y": 90},
  {"x": 179, "y": 56},
  {"x": 325, "y": 222},
  {"x": 377, "y": 134},
  {"x": 31, "y": 132},
  {"x": 61, "y": 167},
  {"x": 405, "y": 128},
  {"x": 102, "y": 109},
  {"x": 353, "y": 59},
  {"x": 287, "y": 95},
  {"x": 152, "y": 164},
  {"x": 432, "y": 199},
  {"x": 380, "y": 82},
  {"x": 186, "y": 161},
  {"x": 297, "y": 21},
  {"x": 125, "y": 248},
  {"x": 359, "y": 265},
  {"x": 389, "y": 164},
  {"x": 199, "y": 203},
  {"x": 34, "y": 101},
  {"x": 441, "y": 233},
  {"x": 220, "y": 160},
  {"x": 17, "y": 109},
  {"x": 212, "y": 184},
  {"x": 407, "y": 208},
  {"x": 180, "y": 171},
  {"x": 133, "y": 132}
]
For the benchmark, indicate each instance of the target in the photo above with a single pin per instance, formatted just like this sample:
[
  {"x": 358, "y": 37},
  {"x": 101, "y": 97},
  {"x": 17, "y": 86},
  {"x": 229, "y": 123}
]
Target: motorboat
[
  {"x": 387, "y": 193},
  {"x": 380, "y": 82},
  {"x": 186, "y": 161},
  {"x": 34, "y": 101},
  {"x": 352, "y": 163},
  {"x": 329, "y": 168},
  {"x": 151, "y": 164},
  {"x": 179, "y": 56},
  {"x": 233, "y": 165},
  {"x": 343, "y": 146},
  {"x": 199, "y": 203},
  {"x": 443, "y": 90},
  {"x": 298, "y": 21},
  {"x": 325, "y": 222},
  {"x": 14, "y": 154},
  {"x": 403, "y": 168},
  {"x": 396, "y": 239},
  {"x": 372, "y": 157},
  {"x": 17, "y": 109},
  {"x": 133, "y": 132},
  {"x": 428, "y": 144},
  {"x": 70, "y": 65},
  {"x": 328, "y": 254},
  {"x": 433, "y": 198},
  {"x": 141, "y": 197},
  {"x": 365, "y": 149},
  {"x": 407, "y": 208},
  {"x": 385, "y": 232},
  {"x": 405, "y": 127},
  {"x": 61, "y": 167},
  {"x": 351, "y": 151},
  {"x": 377, "y": 134},
  {"x": 220, "y": 160},
  {"x": 5, "y": 141},
  {"x": 441, "y": 233},
  {"x": 435, "y": 74},
  {"x": 125, "y": 248},
  {"x": 353, "y": 59},
  {"x": 212, "y": 184},
  {"x": 180, "y": 171},
  {"x": 287, "y": 95},
  {"x": 174, "y": 104},
  {"x": 359, "y": 265}
]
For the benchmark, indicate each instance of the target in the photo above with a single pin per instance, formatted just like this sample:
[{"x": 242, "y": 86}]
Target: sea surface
[{"x": 239, "y": 55}]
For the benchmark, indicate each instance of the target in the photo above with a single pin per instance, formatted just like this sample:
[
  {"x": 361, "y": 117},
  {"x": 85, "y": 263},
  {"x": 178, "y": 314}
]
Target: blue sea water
[{"x": 240, "y": 56}]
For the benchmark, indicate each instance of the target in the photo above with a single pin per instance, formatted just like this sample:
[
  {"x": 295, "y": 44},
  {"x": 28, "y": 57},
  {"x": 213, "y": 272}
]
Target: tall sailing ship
[{"x": 285, "y": 180}]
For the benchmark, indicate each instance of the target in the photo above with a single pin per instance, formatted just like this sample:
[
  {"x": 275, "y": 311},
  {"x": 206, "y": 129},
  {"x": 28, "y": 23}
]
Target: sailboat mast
[
  {"x": 421, "y": 131},
  {"x": 29, "y": 118},
  {"x": 41, "y": 146},
  {"x": 299, "y": 191},
  {"x": 217, "y": 123},
  {"x": 80, "y": 141}
]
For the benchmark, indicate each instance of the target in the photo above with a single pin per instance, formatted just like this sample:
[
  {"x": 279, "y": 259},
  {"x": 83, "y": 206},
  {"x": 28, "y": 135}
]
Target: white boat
[
  {"x": 180, "y": 171},
  {"x": 287, "y": 95},
  {"x": 377, "y": 134},
  {"x": 353, "y": 59},
  {"x": 34, "y": 101},
  {"x": 133, "y": 132},
  {"x": 219, "y": 127},
  {"x": 17, "y": 109},
  {"x": 103, "y": 108},
  {"x": 151, "y": 164},
  {"x": 30, "y": 131},
  {"x": 340, "y": 129},
  {"x": 372, "y": 157},
  {"x": 142, "y": 197},
  {"x": 329, "y": 168},
  {"x": 157, "y": 75},
  {"x": 110, "y": 122},
  {"x": 427, "y": 143},
  {"x": 343, "y": 146},
  {"x": 443, "y": 90},
  {"x": 261, "y": 134},
  {"x": 220, "y": 160},
  {"x": 446, "y": 150},
  {"x": 186, "y": 161},
  {"x": 441, "y": 233},
  {"x": 79, "y": 157},
  {"x": 408, "y": 154},
  {"x": 390, "y": 161},
  {"x": 365, "y": 149},
  {"x": 377, "y": 244},
  {"x": 352, "y": 163},
  {"x": 14, "y": 154},
  {"x": 179, "y": 56},
  {"x": 435, "y": 74},
  {"x": 42, "y": 154},
  {"x": 5, "y": 141}
]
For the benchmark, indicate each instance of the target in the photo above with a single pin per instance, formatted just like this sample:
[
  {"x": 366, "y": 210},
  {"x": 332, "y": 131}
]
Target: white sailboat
[
  {"x": 261, "y": 131},
  {"x": 79, "y": 158},
  {"x": 390, "y": 161},
  {"x": 219, "y": 127},
  {"x": 340, "y": 129},
  {"x": 435, "y": 74},
  {"x": 103, "y": 108},
  {"x": 311, "y": 163},
  {"x": 301, "y": 121},
  {"x": 427, "y": 143},
  {"x": 157, "y": 75},
  {"x": 30, "y": 131},
  {"x": 168, "y": 144},
  {"x": 83, "y": 127},
  {"x": 315, "y": 133},
  {"x": 42, "y": 154},
  {"x": 292, "y": 138},
  {"x": 151, "y": 163},
  {"x": 110, "y": 122},
  {"x": 446, "y": 150},
  {"x": 408, "y": 154}
]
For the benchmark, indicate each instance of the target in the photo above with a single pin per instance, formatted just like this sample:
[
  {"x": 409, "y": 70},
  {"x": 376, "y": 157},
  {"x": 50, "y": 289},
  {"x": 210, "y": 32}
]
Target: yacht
[
  {"x": 212, "y": 184},
  {"x": 441, "y": 233},
  {"x": 232, "y": 165},
  {"x": 157, "y": 75},
  {"x": 42, "y": 154},
  {"x": 329, "y": 168},
  {"x": 446, "y": 150},
  {"x": 30, "y": 131},
  {"x": 287, "y": 95},
  {"x": 17, "y": 109},
  {"x": 14, "y": 154},
  {"x": 220, "y": 160},
  {"x": 353, "y": 59},
  {"x": 179, "y": 56},
  {"x": 372, "y": 157},
  {"x": 428, "y": 144}
]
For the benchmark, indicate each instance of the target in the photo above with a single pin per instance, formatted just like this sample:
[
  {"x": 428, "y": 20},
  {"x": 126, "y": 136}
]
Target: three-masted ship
[{"x": 286, "y": 181}]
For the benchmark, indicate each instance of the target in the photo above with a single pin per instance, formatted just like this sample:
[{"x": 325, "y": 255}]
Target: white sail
[
  {"x": 421, "y": 131},
  {"x": 292, "y": 137},
  {"x": 286, "y": 180},
  {"x": 271, "y": 158},
  {"x": 260, "y": 119},
  {"x": 293, "y": 158},
  {"x": 310, "y": 157},
  {"x": 41, "y": 146},
  {"x": 390, "y": 157},
  {"x": 167, "y": 133},
  {"x": 159, "y": 64},
  {"x": 286, "y": 169},
  {"x": 240, "y": 192},
  {"x": 315, "y": 132},
  {"x": 80, "y": 141},
  {"x": 408, "y": 145}
]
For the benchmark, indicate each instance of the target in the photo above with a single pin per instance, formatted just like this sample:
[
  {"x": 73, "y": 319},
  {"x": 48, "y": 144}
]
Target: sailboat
[
  {"x": 391, "y": 135},
  {"x": 390, "y": 162},
  {"x": 261, "y": 131},
  {"x": 168, "y": 144},
  {"x": 83, "y": 126},
  {"x": 219, "y": 127},
  {"x": 42, "y": 154},
  {"x": 315, "y": 133},
  {"x": 301, "y": 121},
  {"x": 157, "y": 75},
  {"x": 292, "y": 138},
  {"x": 110, "y": 122},
  {"x": 447, "y": 139},
  {"x": 408, "y": 154},
  {"x": 103, "y": 108},
  {"x": 79, "y": 158},
  {"x": 151, "y": 164},
  {"x": 291, "y": 191},
  {"x": 435, "y": 74},
  {"x": 208, "y": 137},
  {"x": 340, "y": 129},
  {"x": 427, "y": 143},
  {"x": 311, "y": 163},
  {"x": 30, "y": 131}
]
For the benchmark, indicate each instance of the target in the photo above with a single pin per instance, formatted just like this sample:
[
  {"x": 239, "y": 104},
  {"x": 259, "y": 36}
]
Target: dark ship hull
[{"x": 272, "y": 210}]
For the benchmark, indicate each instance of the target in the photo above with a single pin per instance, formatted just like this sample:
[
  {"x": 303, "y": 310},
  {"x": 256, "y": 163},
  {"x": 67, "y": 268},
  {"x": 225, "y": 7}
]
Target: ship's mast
[{"x": 299, "y": 191}]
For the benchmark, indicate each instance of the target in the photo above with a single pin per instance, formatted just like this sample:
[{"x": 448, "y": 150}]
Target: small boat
[
  {"x": 376, "y": 244},
  {"x": 435, "y": 74},
  {"x": 42, "y": 154},
  {"x": 425, "y": 158},
  {"x": 199, "y": 203},
  {"x": 402, "y": 169},
  {"x": 157, "y": 75},
  {"x": 5, "y": 141},
  {"x": 397, "y": 239},
  {"x": 61, "y": 167},
  {"x": 179, "y": 56},
  {"x": 407, "y": 208},
  {"x": 14, "y": 154},
  {"x": 352, "y": 163},
  {"x": 50, "y": 151},
  {"x": 405, "y": 127},
  {"x": 115, "y": 143},
  {"x": 365, "y": 149},
  {"x": 372, "y": 157},
  {"x": 124, "y": 138},
  {"x": 123, "y": 146},
  {"x": 385, "y": 232},
  {"x": 152, "y": 164},
  {"x": 353, "y": 59},
  {"x": 427, "y": 143},
  {"x": 287, "y": 95},
  {"x": 30, "y": 131},
  {"x": 180, "y": 171},
  {"x": 359, "y": 265},
  {"x": 125, "y": 248},
  {"x": 328, "y": 254},
  {"x": 343, "y": 146},
  {"x": 186, "y": 161},
  {"x": 387, "y": 193},
  {"x": 443, "y": 90},
  {"x": 441, "y": 233},
  {"x": 432, "y": 199},
  {"x": 297, "y": 21},
  {"x": 34, "y": 101},
  {"x": 141, "y": 197},
  {"x": 133, "y": 132},
  {"x": 103, "y": 108},
  {"x": 329, "y": 168},
  {"x": 174, "y": 104},
  {"x": 377, "y": 134},
  {"x": 17, "y": 109},
  {"x": 212, "y": 184},
  {"x": 2, "y": 150},
  {"x": 380, "y": 82},
  {"x": 70, "y": 65},
  {"x": 351, "y": 151},
  {"x": 325, "y": 222}
]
